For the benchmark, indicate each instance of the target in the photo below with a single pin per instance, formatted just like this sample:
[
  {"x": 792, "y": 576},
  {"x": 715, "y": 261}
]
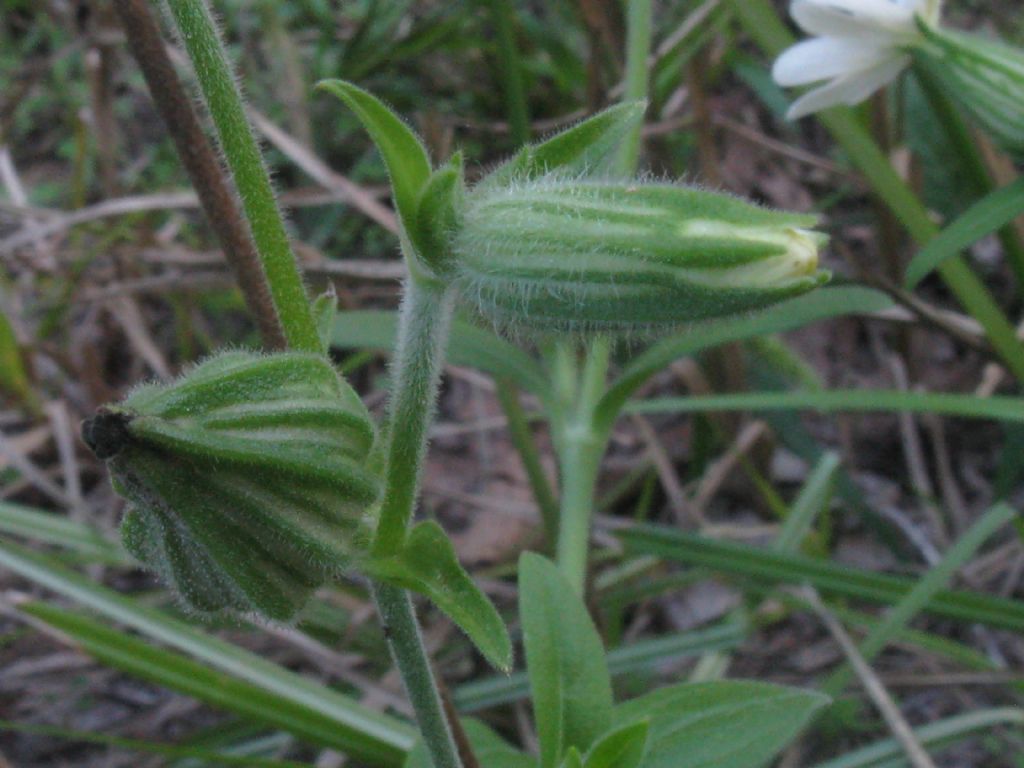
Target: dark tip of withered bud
[{"x": 106, "y": 433}]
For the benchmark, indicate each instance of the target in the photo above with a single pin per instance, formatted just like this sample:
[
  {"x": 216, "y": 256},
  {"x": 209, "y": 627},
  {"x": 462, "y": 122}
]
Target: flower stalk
[{"x": 220, "y": 90}]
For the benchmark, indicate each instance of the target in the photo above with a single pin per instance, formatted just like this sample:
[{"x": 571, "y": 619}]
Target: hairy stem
[
  {"x": 223, "y": 99},
  {"x": 212, "y": 185},
  {"x": 403, "y": 633},
  {"x": 415, "y": 371}
]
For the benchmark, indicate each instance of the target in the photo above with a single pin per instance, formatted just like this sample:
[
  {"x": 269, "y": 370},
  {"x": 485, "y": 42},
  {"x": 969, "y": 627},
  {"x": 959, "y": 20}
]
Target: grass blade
[
  {"x": 152, "y": 747},
  {"x": 817, "y": 305},
  {"x": 58, "y": 530},
  {"x": 998, "y": 408},
  {"x": 931, "y": 735},
  {"x": 923, "y": 591},
  {"x": 121, "y": 651},
  {"x": 813, "y": 496},
  {"x": 992, "y": 212},
  {"x": 377, "y": 738},
  {"x": 829, "y": 578}
]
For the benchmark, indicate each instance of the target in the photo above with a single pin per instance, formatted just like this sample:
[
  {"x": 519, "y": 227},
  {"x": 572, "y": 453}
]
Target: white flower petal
[
  {"x": 853, "y": 18},
  {"x": 823, "y": 58},
  {"x": 848, "y": 89}
]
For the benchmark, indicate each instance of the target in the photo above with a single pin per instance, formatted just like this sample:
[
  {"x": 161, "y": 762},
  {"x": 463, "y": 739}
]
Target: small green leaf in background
[
  {"x": 992, "y": 212},
  {"x": 325, "y": 307},
  {"x": 569, "y": 681},
  {"x": 623, "y": 747},
  {"x": 585, "y": 148},
  {"x": 429, "y": 565},
  {"x": 491, "y": 750},
  {"x": 572, "y": 759},
  {"x": 406, "y": 160},
  {"x": 13, "y": 376},
  {"x": 722, "y": 724}
]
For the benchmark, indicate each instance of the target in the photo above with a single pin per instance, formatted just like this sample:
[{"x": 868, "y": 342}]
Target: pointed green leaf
[
  {"x": 586, "y": 148},
  {"x": 572, "y": 759},
  {"x": 992, "y": 212},
  {"x": 427, "y": 564},
  {"x": 438, "y": 211},
  {"x": 572, "y": 694},
  {"x": 491, "y": 750},
  {"x": 624, "y": 747},
  {"x": 723, "y": 724},
  {"x": 405, "y": 157}
]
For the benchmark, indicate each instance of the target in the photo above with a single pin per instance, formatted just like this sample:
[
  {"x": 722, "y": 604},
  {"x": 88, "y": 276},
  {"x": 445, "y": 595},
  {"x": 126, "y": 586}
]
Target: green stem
[
  {"x": 580, "y": 448},
  {"x": 220, "y": 90},
  {"x": 508, "y": 54},
  {"x": 415, "y": 370},
  {"x": 579, "y": 452},
  {"x": 638, "y": 48},
  {"x": 403, "y": 632},
  {"x": 579, "y": 441}
]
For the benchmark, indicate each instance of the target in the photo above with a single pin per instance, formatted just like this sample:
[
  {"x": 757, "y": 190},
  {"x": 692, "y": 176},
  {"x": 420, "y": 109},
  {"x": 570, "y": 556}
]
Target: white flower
[{"x": 861, "y": 46}]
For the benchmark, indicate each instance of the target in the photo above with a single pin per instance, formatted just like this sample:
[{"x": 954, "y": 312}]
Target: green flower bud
[
  {"x": 582, "y": 255},
  {"x": 247, "y": 479},
  {"x": 985, "y": 76}
]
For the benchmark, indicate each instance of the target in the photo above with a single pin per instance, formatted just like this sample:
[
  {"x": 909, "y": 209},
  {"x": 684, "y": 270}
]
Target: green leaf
[
  {"x": 490, "y": 749},
  {"x": 468, "y": 345},
  {"x": 766, "y": 567},
  {"x": 817, "y": 305},
  {"x": 572, "y": 759},
  {"x": 623, "y": 747},
  {"x": 724, "y": 724},
  {"x": 121, "y": 651},
  {"x": 586, "y": 148},
  {"x": 429, "y": 565},
  {"x": 405, "y": 157},
  {"x": 992, "y": 212},
  {"x": 569, "y": 681},
  {"x": 378, "y": 739}
]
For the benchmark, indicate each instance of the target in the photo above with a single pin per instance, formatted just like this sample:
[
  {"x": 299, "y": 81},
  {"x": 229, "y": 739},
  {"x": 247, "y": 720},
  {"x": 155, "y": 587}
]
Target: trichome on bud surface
[
  {"x": 247, "y": 479},
  {"x": 582, "y": 254}
]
